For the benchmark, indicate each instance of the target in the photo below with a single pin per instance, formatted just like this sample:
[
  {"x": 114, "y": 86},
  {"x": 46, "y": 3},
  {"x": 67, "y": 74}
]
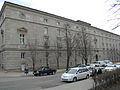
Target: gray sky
[{"x": 94, "y": 12}]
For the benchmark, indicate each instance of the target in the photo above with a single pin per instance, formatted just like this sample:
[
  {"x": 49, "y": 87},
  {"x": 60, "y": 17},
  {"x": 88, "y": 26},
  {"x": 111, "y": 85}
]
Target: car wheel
[
  {"x": 74, "y": 79},
  {"x": 35, "y": 74},
  {"x": 40, "y": 74},
  {"x": 87, "y": 76}
]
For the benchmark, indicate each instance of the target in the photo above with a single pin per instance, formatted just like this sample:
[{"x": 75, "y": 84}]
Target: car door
[
  {"x": 48, "y": 70},
  {"x": 80, "y": 74},
  {"x": 83, "y": 73}
]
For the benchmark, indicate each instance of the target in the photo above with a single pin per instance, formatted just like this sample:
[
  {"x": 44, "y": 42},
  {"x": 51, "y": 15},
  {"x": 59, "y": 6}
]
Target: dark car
[
  {"x": 44, "y": 71},
  {"x": 80, "y": 65}
]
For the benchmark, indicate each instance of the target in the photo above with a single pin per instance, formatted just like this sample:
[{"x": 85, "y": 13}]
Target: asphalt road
[
  {"x": 51, "y": 82},
  {"x": 26, "y": 83}
]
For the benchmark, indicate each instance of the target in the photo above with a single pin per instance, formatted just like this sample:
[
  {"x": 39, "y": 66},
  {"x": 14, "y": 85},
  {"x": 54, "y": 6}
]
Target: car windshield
[{"x": 72, "y": 71}]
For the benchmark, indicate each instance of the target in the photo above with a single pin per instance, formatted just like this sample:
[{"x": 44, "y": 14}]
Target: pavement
[{"x": 21, "y": 74}]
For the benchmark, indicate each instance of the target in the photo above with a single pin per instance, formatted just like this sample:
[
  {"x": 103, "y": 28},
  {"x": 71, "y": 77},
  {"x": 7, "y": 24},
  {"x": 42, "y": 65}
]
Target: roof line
[
  {"x": 46, "y": 13},
  {"x": 42, "y": 12}
]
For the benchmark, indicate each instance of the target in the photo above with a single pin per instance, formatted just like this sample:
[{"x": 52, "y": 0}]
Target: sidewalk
[
  {"x": 13, "y": 74},
  {"x": 20, "y": 74}
]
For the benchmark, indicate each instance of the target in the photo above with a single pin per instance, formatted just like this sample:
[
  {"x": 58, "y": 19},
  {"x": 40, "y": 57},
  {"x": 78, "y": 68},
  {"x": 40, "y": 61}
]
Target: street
[{"x": 35, "y": 83}]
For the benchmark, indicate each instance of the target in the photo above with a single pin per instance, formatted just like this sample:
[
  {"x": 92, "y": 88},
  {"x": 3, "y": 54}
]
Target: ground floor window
[{"x": 22, "y": 54}]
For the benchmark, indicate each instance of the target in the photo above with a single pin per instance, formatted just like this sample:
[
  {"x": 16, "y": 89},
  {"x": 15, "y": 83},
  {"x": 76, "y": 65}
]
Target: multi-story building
[{"x": 29, "y": 35}]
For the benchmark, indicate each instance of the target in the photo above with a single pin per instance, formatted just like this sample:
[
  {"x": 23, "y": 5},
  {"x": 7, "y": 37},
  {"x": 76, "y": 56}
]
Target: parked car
[
  {"x": 117, "y": 65},
  {"x": 108, "y": 62},
  {"x": 110, "y": 68},
  {"x": 98, "y": 64},
  {"x": 44, "y": 71},
  {"x": 75, "y": 74},
  {"x": 80, "y": 65}
]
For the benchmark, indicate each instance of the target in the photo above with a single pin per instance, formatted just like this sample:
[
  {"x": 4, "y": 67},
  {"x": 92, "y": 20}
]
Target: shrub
[{"x": 106, "y": 80}]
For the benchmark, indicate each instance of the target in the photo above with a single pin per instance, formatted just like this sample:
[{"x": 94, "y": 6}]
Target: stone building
[{"x": 29, "y": 35}]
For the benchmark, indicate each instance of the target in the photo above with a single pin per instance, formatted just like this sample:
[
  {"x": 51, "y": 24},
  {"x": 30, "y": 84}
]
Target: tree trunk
[
  {"x": 75, "y": 57},
  {"x": 68, "y": 57},
  {"x": 58, "y": 62},
  {"x": 33, "y": 65},
  {"x": 86, "y": 61}
]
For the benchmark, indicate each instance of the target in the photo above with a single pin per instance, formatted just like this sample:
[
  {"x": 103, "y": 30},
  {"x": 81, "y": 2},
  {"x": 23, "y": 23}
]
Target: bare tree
[
  {"x": 69, "y": 40},
  {"x": 77, "y": 41},
  {"x": 46, "y": 46},
  {"x": 115, "y": 9},
  {"x": 33, "y": 52},
  {"x": 113, "y": 54},
  {"x": 84, "y": 45},
  {"x": 58, "y": 47}
]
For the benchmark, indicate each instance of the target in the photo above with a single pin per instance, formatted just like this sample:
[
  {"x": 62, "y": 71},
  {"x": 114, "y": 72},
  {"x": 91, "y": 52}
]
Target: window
[
  {"x": 45, "y": 30},
  {"x": 22, "y": 39},
  {"x": 0, "y": 19},
  {"x": 107, "y": 45},
  {"x": 46, "y": 42},
  {"x": 102, "y": 44},
  {"x": 59, "y": 32},
  {"x": 76, "y": 27},
  {"x": 45, "y": 20},
  {"x": 58, "y": 23},
  {"x": 59, "y": 43},
  {"x": 113, "y": 45},
  {"x": 23, "y": 55},
  {"x": 83, "y": 29},
  {"x": 110, "y": 45},
  {"x": 2, "y": 34},
  {"x": 95, "y": 40},
  {"x": 22, "y": 15}
]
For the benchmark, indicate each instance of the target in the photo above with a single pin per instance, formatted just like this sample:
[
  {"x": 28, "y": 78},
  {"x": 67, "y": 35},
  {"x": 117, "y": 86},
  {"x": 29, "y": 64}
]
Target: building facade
[{"x": 31, "y": 36}]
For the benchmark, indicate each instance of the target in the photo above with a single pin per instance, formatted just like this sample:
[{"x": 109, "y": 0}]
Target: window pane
[
  {"x": 22, "y": 39},
  {"x": 45, "y": 30}
]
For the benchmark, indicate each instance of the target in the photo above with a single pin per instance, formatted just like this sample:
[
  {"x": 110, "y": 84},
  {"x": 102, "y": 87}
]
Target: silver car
[{"x": 75, "y": 74}]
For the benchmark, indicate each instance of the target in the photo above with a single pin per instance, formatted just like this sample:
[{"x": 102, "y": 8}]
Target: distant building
[{"x": 26, "y": 32}]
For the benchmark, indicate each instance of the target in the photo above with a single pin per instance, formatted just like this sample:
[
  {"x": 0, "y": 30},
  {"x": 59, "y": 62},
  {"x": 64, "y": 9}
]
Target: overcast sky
[{"x": 94, "y": 12}]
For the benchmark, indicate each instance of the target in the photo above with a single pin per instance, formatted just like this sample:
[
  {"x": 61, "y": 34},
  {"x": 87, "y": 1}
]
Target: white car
[
  {"x": 117, "y": 65},
  {"x": 110, "y": 68},
  {"x": 75, "y": 74},
  {"x": 108, "y": 62},
  {"x": 98, "y": 64}
]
